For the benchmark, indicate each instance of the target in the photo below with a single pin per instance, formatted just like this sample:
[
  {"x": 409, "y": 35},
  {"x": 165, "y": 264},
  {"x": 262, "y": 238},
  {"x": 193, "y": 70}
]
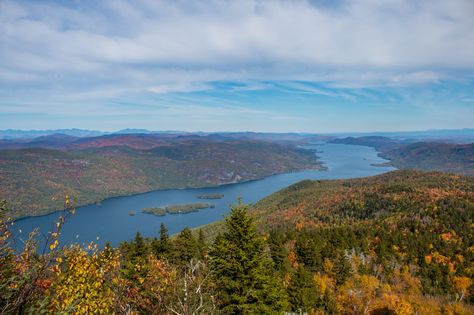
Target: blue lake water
[{"x": 110, "y": 221}]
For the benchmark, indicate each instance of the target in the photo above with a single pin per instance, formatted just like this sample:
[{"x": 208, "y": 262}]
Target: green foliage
[
  {"x": 201, "y": 244},
  {"x": 242, "y": 271},
  {"x": 278, "y": 252},
  {"x": 302, "y": 291},
  {"x": 185, "y": 247},
  {"x": 162, "y": 246}
]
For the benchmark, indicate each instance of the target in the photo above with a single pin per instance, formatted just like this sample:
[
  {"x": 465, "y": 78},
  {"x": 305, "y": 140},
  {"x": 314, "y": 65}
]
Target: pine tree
[
  {"x": 342, "y": 269},
  {"x": 303, "y": 293},
  {"x": 162, "y": 246},
  {"x": 201, "y": 243},
  {"x": 185, "y": 247},
  {"x": 139, "y": 248},
  {"x": 135, "y": 257},
  {"x": 243, "y": 273},
  {"x": 276, "y": 243}
]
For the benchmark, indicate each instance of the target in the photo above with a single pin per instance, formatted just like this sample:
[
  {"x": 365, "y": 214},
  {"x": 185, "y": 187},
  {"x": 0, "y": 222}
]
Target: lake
[{"x": 111, "y": 221}]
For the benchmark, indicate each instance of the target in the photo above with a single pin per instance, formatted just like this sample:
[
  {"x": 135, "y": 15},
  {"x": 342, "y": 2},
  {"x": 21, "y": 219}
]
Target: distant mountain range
[
  {"x": 30, "y": 134},
  {"x": 453, "y": 135},
  {"x": 378, "y": 142},
  {"x": 465, "y": 135},
  {"x": 148, "y": 140}
]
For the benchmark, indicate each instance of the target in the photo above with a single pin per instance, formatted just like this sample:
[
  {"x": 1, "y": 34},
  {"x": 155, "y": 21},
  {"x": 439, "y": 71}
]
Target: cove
[{"x": 110, "y": 220}]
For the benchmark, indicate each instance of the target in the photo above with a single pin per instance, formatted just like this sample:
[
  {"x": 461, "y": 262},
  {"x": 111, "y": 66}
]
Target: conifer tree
[
  {"x": 342, "y": 269},
  {"x": 185, "y": 247},
  {"x": 134, "y": 257},
  {"x": 162, "y": 246},
  {"x": 243, "y": 273},
  {"x": 278, "y": 252},
  {"x": 201, "y": 243},
  {"x": 139, "y": 249},
  {"x": 303, "y": 293}
]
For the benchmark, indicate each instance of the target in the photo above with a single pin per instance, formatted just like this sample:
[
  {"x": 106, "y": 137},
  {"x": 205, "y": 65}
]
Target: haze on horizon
[{"x": 278, "y": 66}]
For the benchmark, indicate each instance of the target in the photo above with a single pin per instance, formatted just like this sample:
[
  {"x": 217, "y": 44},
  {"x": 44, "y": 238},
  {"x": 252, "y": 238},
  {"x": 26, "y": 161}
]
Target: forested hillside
[
  {"x": 35, "y": 180},
  {"x": 397, "y": 243},
  {"x": 445, "y": 157},
  {"x": 435, "y": 155},
  {"x": 401, "y": 240}
]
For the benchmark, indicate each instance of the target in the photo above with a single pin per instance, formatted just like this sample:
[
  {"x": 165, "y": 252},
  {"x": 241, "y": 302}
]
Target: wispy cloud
[
  {"x": 102, "y": 51},
  {"x": 252, "y": 39}
]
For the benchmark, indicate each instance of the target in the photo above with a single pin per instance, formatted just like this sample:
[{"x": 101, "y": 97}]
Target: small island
[
  {"x": 131, "y": 213},
  {"x": 211, "y": 196},
  {"x": 178, "y": 209},
  {"x": 187, "y": 208},
  {"x": 155, "y": 211}
]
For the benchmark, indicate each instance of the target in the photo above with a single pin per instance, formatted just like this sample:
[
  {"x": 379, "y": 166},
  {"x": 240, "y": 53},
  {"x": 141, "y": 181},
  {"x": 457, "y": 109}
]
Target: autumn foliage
[{"x": 399, "y": 243}]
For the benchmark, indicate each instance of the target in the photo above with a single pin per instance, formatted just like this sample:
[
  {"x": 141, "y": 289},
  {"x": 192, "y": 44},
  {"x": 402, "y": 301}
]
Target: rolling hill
[
  {"x": 35, "y": 180},
  {"x": 429, "y": 156},
  {"x": 378, "y": 142},
  {"x": 400, "y": 240},
  {"x": 445, "y": 157}
]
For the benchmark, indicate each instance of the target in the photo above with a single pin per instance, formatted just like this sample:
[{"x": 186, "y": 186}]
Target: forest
[
  {"x": 36, "y": 178},
  {"x": 397, "y": 243},
  {"x": 455, "y": 156}
]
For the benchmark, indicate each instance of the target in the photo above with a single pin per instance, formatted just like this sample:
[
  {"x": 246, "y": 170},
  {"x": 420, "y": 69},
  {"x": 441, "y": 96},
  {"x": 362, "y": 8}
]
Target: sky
[{"x": 246, "y": 65}]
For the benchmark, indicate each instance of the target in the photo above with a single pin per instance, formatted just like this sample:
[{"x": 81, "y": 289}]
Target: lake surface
[{"x": 110, "y": 221}]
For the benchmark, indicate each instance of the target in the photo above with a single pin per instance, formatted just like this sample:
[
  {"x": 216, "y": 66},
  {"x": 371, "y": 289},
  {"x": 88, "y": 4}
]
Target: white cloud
[
  {"x": 173, "y": 46},
  {"x": 179, "y": 87}
]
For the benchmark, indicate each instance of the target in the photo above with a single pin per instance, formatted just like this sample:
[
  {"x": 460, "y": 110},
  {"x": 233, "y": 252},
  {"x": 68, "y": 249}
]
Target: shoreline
[{"x": 319, "y": 167}]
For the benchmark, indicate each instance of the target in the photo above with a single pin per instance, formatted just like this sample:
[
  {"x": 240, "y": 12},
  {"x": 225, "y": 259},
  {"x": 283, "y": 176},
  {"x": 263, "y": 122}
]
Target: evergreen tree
[
  {"x": 185, "y": 247},
  {"x": 276, "y": 243},
  {"x": 309, "y": 251},
  {"x": 162, "y": 246},
  {"x": 139, "y": 248},
  {"x": 243, "y": 273},
  {"x": 201, "y": 243},
  {"x": 303, "y": 293},
  {"x": 342, "y": 269},
  {"x": 135, "y": 257}
]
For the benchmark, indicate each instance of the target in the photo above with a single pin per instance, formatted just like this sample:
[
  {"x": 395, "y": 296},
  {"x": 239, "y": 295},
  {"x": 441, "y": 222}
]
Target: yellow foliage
[
  {"x": 293, "y": 259},
  {"x": 358, "y": 295},
  {"x": 462, "y": 284},
  {"x": 80, "y": 282},
  {"x": 328, "y": 266},
  {"x": 456, "y": 309},
  {"x": 324, "y": 283},
  {"x": 403, "y": 282}
]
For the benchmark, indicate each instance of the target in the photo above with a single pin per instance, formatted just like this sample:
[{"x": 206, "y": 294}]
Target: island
[
  {"x": 155, "y": 211},
  {"x": 178, "y": 209},
  {"x": 190, "y": 207},
  {"x": 211, "y": 196}
]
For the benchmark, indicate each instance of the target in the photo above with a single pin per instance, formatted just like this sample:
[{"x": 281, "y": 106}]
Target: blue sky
[{"x": 308, "y": 66}]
